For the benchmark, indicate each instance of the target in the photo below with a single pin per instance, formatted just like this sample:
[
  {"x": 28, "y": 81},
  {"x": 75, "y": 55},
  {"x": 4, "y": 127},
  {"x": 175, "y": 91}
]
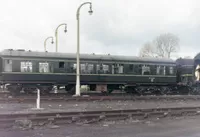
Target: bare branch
[
  {"x": 147, "y": 50},
  {"x": 171, "y": 44},
  {"x": 162, "y": 46}
]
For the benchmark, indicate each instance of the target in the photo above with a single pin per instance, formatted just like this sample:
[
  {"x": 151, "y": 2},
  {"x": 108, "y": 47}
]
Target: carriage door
[{"x": 8, "y": 65}]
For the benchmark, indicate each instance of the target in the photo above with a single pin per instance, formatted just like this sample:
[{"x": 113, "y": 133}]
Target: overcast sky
[{"x": 117, "y": 26}]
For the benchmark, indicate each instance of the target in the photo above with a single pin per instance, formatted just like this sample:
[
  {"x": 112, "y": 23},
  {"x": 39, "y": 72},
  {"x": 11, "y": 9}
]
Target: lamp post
[
  {"x": 45, "y": 49},
  {"x": 78, "y": 47},
  {"x": 56, "y": 33}
]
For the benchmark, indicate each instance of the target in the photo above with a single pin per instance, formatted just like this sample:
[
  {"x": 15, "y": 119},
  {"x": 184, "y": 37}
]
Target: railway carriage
[
  {"x": 28, "y": 70},
  {"x": 185, "y": 69}
]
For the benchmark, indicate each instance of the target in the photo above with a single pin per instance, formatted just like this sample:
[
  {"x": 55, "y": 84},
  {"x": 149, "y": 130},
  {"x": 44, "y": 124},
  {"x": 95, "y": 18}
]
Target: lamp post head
[
  {"x": 65, "y": 28},
  {"x": 52, "y": 42},
  {"x": 90, "y": 11}
]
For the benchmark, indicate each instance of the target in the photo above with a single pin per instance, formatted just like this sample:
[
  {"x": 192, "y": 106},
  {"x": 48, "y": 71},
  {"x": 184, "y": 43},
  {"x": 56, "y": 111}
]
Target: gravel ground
[
  {"x": 168, "y": 127},
  {"x": 93, "y": 105}
]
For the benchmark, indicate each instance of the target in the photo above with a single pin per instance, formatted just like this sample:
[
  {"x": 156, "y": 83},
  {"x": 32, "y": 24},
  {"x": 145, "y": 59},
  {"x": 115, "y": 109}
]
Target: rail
[
  {"x": 95, "y": 98},
  {"x": 96, "y": 116}
]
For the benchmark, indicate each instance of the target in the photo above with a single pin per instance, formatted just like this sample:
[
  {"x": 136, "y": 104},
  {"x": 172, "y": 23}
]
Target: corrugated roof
[{"x": 22, "y": 53}]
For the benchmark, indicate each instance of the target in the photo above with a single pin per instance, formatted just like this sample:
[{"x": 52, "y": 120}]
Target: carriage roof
[{"x": 36, "y": 54}]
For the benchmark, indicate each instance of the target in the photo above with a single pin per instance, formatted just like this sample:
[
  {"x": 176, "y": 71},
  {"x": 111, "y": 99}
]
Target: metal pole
[
  {"x": 56, "y": 34},
  {"x": 46, "y": 41},
  {"x": 45, "y": 46},
  {"x": 78, "y": 49},
  {"x": 78, "y": 61},
  {"x": 38, "y": 99}
]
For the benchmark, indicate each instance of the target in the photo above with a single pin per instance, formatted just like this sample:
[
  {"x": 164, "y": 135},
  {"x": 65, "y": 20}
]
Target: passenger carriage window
[
  {"x": 137, "y": 69},
  {"x": 115, "y": 68},
  {"x": 121, "y": 68},
  {"x": 97, "y": 68},
  {"x": 74, "y": 66},
  {"x": 118, "y": 68},
  {"x": 161, "y": 70},
  {"x": 158, "y": 70},
  {"x": 102, "y": 69},
  {"x": 131, "y": 67},
  {"x": 43, "y": 67},
  {"x": 167, "y": 70},
  {"x": 87, "y": 68},
  {"x": 83, "y": 68},
  {"x": 153, "y": 69},
  {"x": 51, "y": 67},
  {"x": 111, "y": 69},
  {"x": 8, "y": 65},
  {"x": 164, "y": 70},
  {"x": 71, "y": 67},
  {"x": 61, "y": 64},
  {"x": 128, "y": 68},
  {"x": 105, "y": 68},
  {"x": 90, "y": 68},
  {"x": 145, "y": 70},
  {"x": 171, "y": 70},
  {"x": 26, "y": 66}
]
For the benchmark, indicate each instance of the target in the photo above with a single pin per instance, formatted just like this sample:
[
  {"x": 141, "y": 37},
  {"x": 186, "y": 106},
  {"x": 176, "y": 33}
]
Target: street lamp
[
  {"x": 78, "y": 48},
  {"x": 56, "y": 34},
  {"x": 45, "y": 49}
]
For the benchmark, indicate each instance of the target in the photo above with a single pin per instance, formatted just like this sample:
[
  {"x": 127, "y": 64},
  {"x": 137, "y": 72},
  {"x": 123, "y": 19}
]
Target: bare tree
[
  {"x": 147, "y": 50},
  {"x": 163, "y": 46},
  {"x": 166, "y": 44}
]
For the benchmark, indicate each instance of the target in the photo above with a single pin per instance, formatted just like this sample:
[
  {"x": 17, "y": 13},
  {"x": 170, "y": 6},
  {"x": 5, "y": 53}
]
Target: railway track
[
  {"x": 56, "y": 118},
  {"x": 25, "y": 99}
]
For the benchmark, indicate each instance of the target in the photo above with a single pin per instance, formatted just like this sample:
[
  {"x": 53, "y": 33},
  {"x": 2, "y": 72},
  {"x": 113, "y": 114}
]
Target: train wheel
[
  {"x": 132, "y": 90},
  {"x": 105, "y": 93},
  {"x": 164, "y": 90},
  {"x": 70, "y": 89},
  {"x": 195, "y": 90},
  {"x": 110, "y": 91},
  {"x": 44, "y": 90},
  {"x": 183, "y": 90},
  {"x": 15, "y": 92},
  {"x": 140, "y": 91}
]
